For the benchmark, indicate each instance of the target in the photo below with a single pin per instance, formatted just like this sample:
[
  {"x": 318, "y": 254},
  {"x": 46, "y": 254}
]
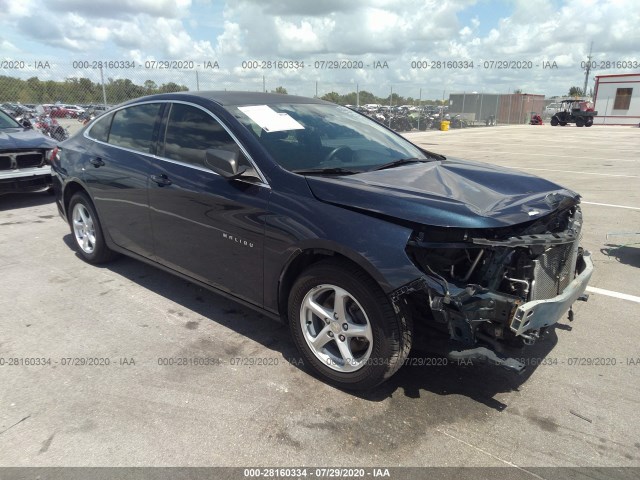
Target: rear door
[
  {"x": 117, "y": 173},
  {"x": 204, "y": 225}
]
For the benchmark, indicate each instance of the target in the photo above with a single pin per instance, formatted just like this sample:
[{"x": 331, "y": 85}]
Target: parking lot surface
[{"x": 114, "y": 393}]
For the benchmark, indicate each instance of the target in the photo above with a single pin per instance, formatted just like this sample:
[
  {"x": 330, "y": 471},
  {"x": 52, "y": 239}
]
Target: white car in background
[
  {"x": 74, "y": 108},
  {"x": 551, "y": 109}
]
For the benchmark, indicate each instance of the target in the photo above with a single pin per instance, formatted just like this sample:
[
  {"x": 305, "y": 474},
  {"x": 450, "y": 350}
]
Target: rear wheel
[
  {"x": 580, "y": 122},
  {"x": 345, "y": 327},
  {"x": 87, "y": 230},
  {"x": 588, "y": 122}
]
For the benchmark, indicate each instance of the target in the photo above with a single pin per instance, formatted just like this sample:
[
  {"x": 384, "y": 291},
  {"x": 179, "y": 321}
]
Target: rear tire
[
  {"x": 345, "y": 327},
  {"x": 580, "y": 122},
  {"x": 588, "y": 122},
  {"x": 87, "y": 231}
]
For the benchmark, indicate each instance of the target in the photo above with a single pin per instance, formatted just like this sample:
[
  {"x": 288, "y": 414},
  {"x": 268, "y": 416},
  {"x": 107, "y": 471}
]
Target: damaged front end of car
[{"x": 493, "y": 291}]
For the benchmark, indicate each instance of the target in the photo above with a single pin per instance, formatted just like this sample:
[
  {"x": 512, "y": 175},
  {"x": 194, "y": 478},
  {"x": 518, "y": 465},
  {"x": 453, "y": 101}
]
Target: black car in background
[
  {"x": 23, "y": 157},
  {"x": 317, "y": 215}
]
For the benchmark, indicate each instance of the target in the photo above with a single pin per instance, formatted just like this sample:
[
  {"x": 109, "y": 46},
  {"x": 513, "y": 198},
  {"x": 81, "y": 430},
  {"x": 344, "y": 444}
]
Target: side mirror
[
  {"x": 224, "y": 162},
  {"x": 26, "y": 123}
]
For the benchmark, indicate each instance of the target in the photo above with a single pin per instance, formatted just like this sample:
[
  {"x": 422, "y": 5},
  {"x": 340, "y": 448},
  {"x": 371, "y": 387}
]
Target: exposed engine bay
[{"x": 497, "y": 288}]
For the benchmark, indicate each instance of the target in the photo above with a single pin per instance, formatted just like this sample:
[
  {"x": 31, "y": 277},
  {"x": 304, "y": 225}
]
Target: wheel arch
[
  {"x": 70, "y": 189},
  {"x": 303, "y": 258}
]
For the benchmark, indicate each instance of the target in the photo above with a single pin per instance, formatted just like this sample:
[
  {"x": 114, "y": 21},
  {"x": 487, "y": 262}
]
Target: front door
[{"x": 205, "y": 225}]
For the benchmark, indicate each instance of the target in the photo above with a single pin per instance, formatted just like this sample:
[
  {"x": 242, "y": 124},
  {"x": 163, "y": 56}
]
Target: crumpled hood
[
  {"x": 449, "y": 193},
  {"x": 21, "y": 139}
]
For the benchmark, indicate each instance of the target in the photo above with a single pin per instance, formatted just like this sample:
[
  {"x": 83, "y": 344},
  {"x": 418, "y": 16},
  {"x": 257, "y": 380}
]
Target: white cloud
[
  {"x": 7, "y": 47},
  {"x": 122, "y": 8},
  {"x": 10, "y": 9},
  {"x": 300, "y": 36},
  {"x": 367, "y": 30}
]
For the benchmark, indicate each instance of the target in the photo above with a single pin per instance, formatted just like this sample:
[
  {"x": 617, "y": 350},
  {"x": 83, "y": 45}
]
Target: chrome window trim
[{"x": 263, "y": 181}]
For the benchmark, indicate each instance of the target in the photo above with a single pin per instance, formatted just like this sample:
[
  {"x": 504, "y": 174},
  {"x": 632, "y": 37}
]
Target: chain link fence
[{"x": 110, "y": 83}]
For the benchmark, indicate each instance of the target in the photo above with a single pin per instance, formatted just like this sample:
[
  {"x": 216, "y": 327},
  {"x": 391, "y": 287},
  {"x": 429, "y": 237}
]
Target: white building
[{"x": 617, "y": 99}]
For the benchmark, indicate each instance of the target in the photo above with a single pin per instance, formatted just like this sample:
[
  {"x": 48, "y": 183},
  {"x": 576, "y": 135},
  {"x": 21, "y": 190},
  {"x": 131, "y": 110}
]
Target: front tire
[
  {"x": 554, "y": 121},
  {"x": 345, "y": 327},
  {"x": 87, "y": 231}
]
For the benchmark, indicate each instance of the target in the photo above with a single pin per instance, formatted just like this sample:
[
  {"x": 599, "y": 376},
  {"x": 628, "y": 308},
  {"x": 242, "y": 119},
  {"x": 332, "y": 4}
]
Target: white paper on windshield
[{"x": 269, "y": 119}]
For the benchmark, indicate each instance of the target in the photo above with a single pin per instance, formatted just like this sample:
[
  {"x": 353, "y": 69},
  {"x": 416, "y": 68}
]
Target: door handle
[
  {"x": 96, "y": 162},
  {"x": 161, "y": 180}
]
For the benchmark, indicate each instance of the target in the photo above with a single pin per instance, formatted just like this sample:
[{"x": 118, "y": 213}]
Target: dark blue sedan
[{"x": 319, "y": 216}]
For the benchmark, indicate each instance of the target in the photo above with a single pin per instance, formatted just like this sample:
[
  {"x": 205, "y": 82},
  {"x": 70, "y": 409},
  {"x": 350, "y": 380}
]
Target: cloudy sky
[{"x": 373, "y": 32}]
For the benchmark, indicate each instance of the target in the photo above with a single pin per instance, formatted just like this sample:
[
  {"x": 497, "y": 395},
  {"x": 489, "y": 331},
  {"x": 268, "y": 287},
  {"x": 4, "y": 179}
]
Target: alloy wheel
[
  {"x": 336, "y": 328},
  {"x": 83, "y": 228}
]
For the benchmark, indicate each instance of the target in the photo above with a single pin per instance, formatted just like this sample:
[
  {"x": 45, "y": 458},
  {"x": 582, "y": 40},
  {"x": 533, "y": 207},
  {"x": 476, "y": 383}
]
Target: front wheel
[
  {"x": 345, "y": 327},
  {"x": 87, "y": 230},
  {"x": 554, "y": 121}
]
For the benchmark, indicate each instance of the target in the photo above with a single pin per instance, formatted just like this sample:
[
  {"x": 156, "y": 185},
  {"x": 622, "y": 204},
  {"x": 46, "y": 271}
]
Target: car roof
[{"x": 225, "y": 98}]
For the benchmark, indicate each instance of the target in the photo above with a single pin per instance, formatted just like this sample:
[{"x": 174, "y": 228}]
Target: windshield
[
  {"x": 320, "y": 136},
  {"x": 6, "y": 121}
]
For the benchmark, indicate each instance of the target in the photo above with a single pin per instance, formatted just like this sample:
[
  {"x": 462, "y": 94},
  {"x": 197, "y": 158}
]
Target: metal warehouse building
[{"x": 617, "y": 99}]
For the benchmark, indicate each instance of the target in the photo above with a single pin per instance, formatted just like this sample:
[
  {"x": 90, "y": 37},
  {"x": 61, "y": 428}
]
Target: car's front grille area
[
  {"x": 5, "y": 161},
  {"x": 21, "y": 159},
  {"x": 29, "y": 160}
]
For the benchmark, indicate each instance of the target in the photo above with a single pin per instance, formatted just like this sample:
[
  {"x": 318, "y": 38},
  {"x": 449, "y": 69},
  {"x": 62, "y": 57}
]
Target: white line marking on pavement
[
  {"x": 610, "y": 205},
  {"x": 609, "y": 293},
  {"x": 440, "y": 149},
  {"x": 489, "y": 453},
  {"x": 573, "y": 171}
]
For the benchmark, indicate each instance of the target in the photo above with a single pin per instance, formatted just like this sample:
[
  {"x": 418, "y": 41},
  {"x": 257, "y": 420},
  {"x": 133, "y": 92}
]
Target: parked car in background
[
  {"x": 551, "y": 109},
  {"x": 17, "y": 109},
  {"x": 57, "y": 111},
  {"x": 73, "y": 111},
  {"x": 317, "y": 215},
  {"x": 23, "y": 157},
  {"x": 98, "y": 109}
]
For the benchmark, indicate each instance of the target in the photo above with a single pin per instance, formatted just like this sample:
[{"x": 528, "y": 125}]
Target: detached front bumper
[
  {"x": 490, "y": 326},
  {"x": 542, "y": 313}
]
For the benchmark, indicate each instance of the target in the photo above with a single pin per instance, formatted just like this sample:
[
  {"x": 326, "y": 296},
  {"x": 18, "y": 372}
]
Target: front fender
[{"x": 375, "y": 245}]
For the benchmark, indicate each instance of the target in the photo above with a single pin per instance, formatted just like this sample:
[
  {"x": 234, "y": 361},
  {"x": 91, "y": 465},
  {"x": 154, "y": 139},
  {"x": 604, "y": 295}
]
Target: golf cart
[{"x": 579, "y": 112}]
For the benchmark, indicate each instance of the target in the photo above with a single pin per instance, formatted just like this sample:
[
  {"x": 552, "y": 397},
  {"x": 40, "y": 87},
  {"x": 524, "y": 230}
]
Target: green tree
[
  {"x": 575, "y": 92},
  {"x": 280, "y": 89},
  {"x": 368, "y": 97},
  {"x": 172, "y": 87},
  {"x": 332, "y": 97},
  {"x": 150, "y": 86}
]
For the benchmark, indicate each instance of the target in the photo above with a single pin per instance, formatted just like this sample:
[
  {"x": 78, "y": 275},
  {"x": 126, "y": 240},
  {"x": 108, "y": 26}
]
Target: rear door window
[
  {"x": 100, "y": 130},
  {"x": 132, "y": 127}
]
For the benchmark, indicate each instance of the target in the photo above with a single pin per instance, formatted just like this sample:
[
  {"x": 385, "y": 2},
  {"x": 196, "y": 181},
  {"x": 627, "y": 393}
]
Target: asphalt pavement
[{"x": 113, "y": 393}]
